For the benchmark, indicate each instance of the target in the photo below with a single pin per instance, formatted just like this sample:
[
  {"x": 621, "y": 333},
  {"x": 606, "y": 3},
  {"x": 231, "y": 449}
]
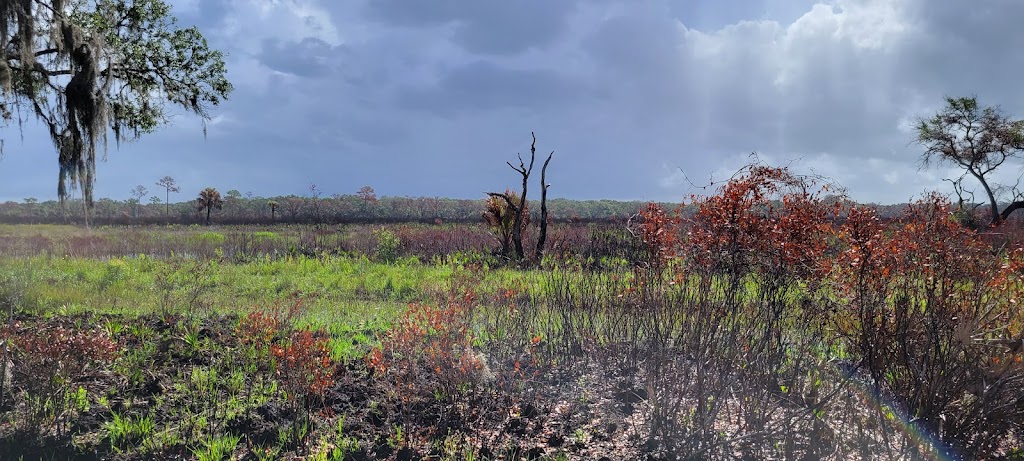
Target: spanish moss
[{"x": 88, "y": 67}]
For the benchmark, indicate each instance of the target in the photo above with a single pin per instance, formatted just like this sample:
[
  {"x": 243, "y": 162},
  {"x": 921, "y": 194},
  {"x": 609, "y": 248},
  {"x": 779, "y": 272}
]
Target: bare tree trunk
[
  {"x": 993, "y": 203},
  {"x": 542, "y": 238},
  {"x": 85, "y": 212},
  {"x": 524, "y": 171},
  {"x": 517, "y": 230},
  {"x": 1014, "y": 206},
  {"x": 506, "y": 242}
]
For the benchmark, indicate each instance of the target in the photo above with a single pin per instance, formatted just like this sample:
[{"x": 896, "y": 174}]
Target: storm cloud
[{"x": 431, "y": 98}]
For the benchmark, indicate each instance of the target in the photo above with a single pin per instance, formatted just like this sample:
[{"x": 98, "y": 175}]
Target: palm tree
[
  {"x": 209, "y": 199},
  {"x": 273, "y": 209}
]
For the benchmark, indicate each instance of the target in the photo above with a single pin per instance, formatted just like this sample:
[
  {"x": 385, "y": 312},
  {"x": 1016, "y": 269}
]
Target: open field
[
  {"x": 736, "y": 334},
  {"x": 269, "y": 304}
]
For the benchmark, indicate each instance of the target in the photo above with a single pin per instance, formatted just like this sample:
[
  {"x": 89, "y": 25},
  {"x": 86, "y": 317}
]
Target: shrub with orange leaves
[
  {"x": 660, "y": 233},
  {"x": 304, "y": 365},
  {"x": 930, "y": 315},
  {"x": 262, "y": 326},
  {"x": 765, "y": 220},
  {"x": 63, "y": 353},
  {"x": 301, "y": 358},
  {"x": 49, "y": 361},
  {"x": 258, "y": 329},
  {"x": 429, "y": 351}
]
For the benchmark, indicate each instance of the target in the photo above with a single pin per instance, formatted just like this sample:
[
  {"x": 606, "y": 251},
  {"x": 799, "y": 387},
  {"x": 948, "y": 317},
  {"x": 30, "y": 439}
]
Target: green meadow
[{"x": 352, "y": 342}]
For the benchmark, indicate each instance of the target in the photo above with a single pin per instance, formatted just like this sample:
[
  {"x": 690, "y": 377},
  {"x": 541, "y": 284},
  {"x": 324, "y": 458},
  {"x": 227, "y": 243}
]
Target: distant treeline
[{"x": 238, "y": 209}]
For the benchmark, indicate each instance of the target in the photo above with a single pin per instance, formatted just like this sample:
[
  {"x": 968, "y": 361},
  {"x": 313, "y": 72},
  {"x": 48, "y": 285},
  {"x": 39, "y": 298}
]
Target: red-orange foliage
[
  {"x": 933, "y": 317},
  {"x": 60, "y": 353},
  {"x": 765, "y": 220},
  {"x": 304, "y": 365},
  {"x": 926, "y": 245},
  {"x": 302, "y": 360},
  {"x": 430, "y": 349},
  {"x": 1009, "y": 279},
  {"x": 49, "y": 361},
  {"x": 660, "y": 233},
  {"x": 258, "y": 328}
]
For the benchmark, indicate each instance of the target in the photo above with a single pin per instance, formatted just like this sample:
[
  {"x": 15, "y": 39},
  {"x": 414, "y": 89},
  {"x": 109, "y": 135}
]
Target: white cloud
[
  {"x": 630, "y": 88},
  {"x": 251, "y": 22},
  {"x": 626, "y": 92}
]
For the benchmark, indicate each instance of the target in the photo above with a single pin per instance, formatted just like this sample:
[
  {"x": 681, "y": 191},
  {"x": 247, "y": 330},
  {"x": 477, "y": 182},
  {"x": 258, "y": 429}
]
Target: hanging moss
[
  {"x": 59, "y": 64},
  {"x": 80, "y": 128},
  {"x": 5, "y": 76}
]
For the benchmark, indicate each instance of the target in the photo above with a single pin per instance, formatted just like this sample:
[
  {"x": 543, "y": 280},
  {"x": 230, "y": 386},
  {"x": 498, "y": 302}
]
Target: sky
[{"x": 637, "y": 98}]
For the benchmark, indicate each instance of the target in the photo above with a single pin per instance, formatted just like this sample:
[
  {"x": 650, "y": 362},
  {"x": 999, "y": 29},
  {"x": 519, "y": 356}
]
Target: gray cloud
[
  {"x": 499, "y": 28},
  {"x": 483, "y": 85},
  {"x": 309, "y": 57},
  {"x": 431, "y": 98}
]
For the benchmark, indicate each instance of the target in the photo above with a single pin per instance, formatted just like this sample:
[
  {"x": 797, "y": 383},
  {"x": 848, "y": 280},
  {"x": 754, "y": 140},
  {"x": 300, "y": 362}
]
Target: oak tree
[
  {"x": 86, "y": 68},
  {"x": 979, "y": 140},
  {"x": 367, "y": 194}
]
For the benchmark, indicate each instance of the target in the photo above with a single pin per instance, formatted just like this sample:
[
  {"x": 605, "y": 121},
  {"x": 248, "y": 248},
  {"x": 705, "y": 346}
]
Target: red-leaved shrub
[
  {"x": 48, "y": 362},
  {"x": 428, "y": 352},
  {"x": 931, "y": 313},
  {"x": 304, "y": 365}
]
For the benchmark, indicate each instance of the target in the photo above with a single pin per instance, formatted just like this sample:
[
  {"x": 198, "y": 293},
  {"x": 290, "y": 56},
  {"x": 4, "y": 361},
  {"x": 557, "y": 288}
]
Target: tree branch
[
  {"x": 507, "y": 200},
  {"x": 1014, "y": 206}
]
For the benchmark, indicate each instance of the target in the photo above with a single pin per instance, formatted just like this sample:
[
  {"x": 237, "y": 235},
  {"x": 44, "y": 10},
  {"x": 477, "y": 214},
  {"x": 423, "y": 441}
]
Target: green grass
[
  {"x": 141, "y": 285},
  {"x": 353, "y": 298}
]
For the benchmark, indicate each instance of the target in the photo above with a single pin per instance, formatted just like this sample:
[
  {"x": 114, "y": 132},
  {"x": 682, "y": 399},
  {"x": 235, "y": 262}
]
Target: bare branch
[
  {"x": 687, "y": 178},
  {"x": 507, "y": 200}
]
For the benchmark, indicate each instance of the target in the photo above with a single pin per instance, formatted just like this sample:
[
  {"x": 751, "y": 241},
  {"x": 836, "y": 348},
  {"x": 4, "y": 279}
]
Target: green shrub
[
  {"x": 388, "y": 245},
  {"x": 116, "y": 270}
]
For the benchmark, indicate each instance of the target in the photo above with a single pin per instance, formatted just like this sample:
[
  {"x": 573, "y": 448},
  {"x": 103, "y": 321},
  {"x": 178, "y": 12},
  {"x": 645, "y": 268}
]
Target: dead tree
[
  {"x": 542, "y": 238},
  {"x": 524, "y": 171}
]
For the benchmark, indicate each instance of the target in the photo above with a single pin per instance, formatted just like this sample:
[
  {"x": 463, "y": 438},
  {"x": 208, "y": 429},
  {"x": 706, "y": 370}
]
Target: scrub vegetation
[{"x": 767, "y": 320}]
